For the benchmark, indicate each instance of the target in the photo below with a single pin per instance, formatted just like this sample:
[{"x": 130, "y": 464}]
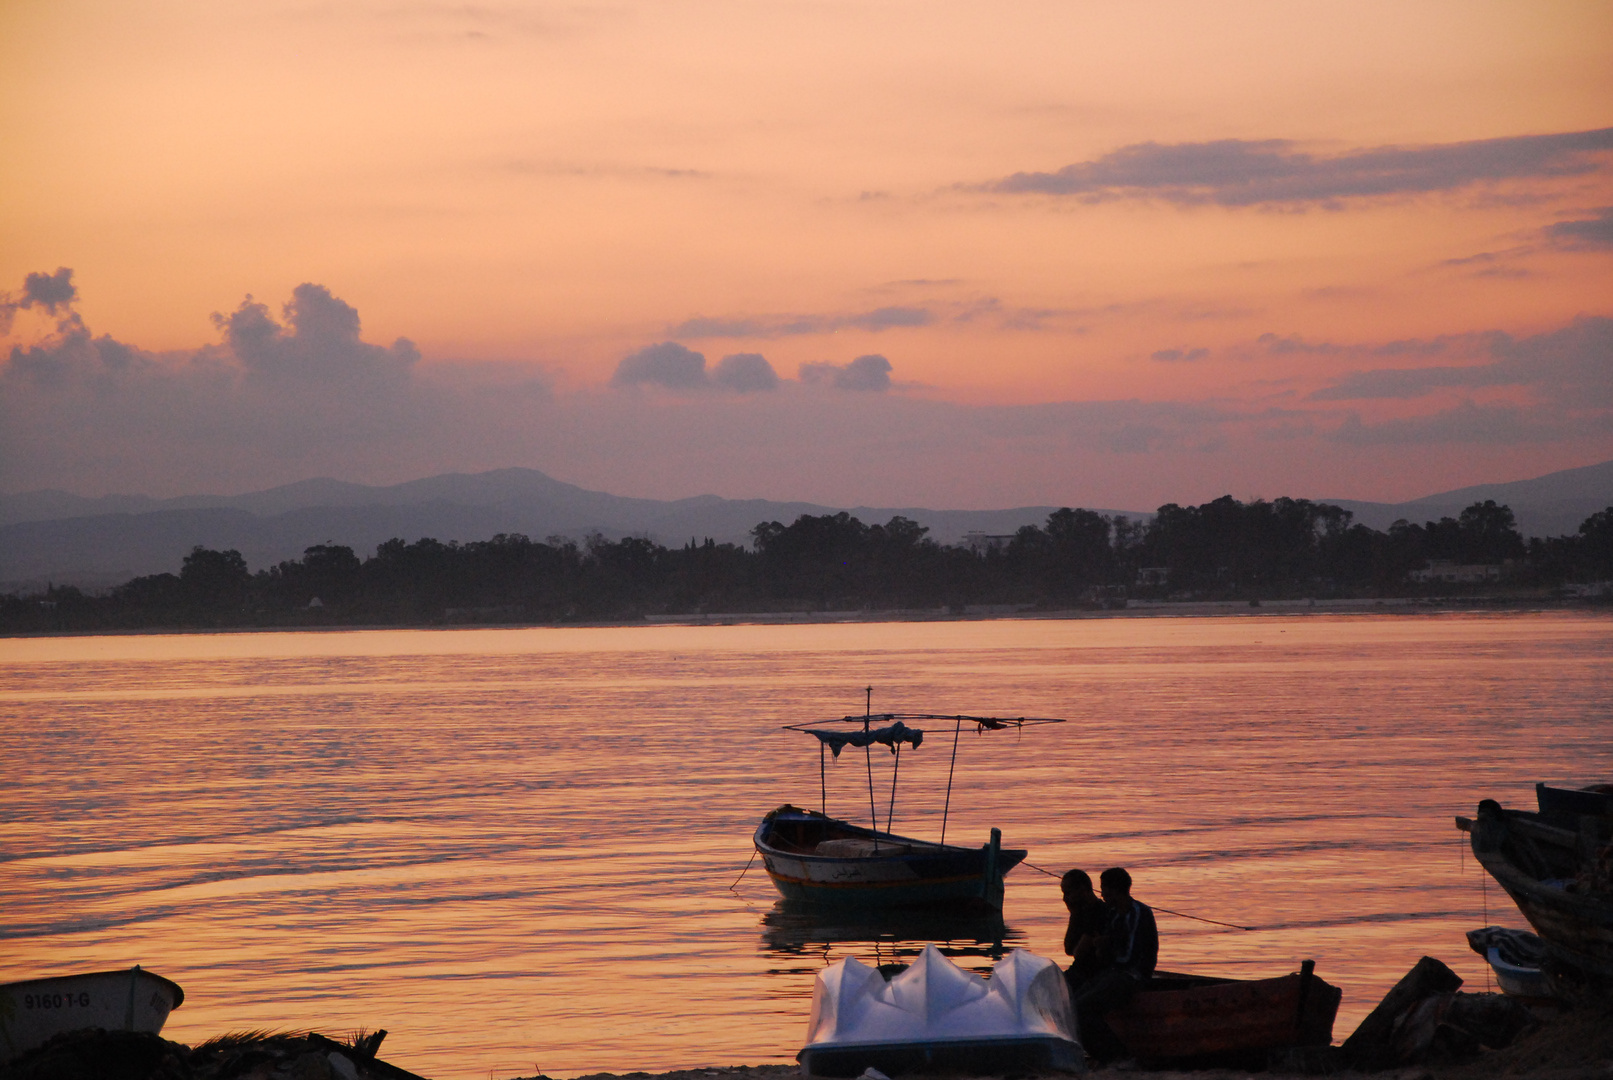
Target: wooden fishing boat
[
  {"x": 1562, "y": 881},
  {"x": 817, "y": 859},
  {"x": 813, "y": 858},
  {"x": 34, "y": 1010},
  {"x": 1179, "y": 1018}
]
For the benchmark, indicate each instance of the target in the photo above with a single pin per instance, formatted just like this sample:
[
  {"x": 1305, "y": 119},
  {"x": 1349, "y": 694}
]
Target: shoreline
[
  {"x": 1569, "y": 1043},
  {"x": 1136, "y": 609}
]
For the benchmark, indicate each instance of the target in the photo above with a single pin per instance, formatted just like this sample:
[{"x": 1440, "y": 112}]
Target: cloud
[
  {"x": 294, "y": 392},
  {"x": 1596, "y": 232},
  {"x": 1236, "y": 172},
  {"x": 1293, "y": 343},
  {"x": 523, "y": 167},
  {"x": 308, "y": 397},
  {"x": 866, "y": 373},
  {"x": 1172, "y": 356},
  {"x": 677, "y": 367},
  {"x": 47, "y": 291},
  {"x": 1471, "y": 424},
  {"x": 322, "y": 343},
  {"x": 772, "y": 326},
  {"x": 1571, "y": 366},
  {"x": 745, "y": 373},
  {"x": 668, "y": 364}
]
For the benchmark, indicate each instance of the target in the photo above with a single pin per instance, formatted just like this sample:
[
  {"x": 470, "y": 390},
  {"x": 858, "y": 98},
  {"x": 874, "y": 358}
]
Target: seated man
[
  {"x": 1089, "y": 919},
  {"x": 1128, "y": 951}
]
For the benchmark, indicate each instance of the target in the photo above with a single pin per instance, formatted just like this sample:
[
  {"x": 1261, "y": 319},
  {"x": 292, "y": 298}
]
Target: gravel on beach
[{"x": 1575, "y": 1045}]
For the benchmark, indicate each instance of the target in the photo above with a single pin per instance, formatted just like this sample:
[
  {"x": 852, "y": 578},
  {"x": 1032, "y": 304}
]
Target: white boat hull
[{"x": 33, "y": 1011}]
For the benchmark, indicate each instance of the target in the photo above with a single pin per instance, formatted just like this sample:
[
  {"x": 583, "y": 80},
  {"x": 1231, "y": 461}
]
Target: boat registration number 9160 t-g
[{"x": 55, "y": 1001}]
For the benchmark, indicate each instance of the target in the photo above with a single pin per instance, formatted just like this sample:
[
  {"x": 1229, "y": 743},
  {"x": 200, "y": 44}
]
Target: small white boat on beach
[
  {"x": 1516, "y": 957},
  {"x": 935, "y": 1016},
  {"x": 34, "y": 1010}
]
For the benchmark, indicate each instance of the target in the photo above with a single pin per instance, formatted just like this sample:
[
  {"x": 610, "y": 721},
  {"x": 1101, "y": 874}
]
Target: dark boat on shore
[
  {"x": 813, "y": 858},
  {"x": 1557, "y": 867},
  {"x": 1179, "y": 1019}
]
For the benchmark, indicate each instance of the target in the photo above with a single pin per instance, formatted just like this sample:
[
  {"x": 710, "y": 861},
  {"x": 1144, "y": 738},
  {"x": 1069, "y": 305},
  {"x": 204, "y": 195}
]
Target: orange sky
[{"x": 554, "y": 187}]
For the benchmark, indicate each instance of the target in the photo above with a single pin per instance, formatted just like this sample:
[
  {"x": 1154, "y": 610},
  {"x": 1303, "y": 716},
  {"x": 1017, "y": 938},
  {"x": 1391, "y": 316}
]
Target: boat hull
[
  {"x": 1577, "y": 931},
  {"x": 1524, "y": 982},
  {"x": 915, "y": 873},
  {"x": 1186, "y": 1017},
  {"x": 34, "y": 1010},
  {"x": 1575, "y": 927}
]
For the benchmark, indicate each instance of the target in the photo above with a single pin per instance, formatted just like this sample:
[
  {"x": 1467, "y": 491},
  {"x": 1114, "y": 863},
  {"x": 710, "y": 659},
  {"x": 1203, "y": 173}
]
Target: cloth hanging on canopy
[{"x": 891, "y": 736}]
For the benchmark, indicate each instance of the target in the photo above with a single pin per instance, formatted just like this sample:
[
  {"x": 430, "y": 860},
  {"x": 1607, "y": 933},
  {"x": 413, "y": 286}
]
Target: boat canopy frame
[{"x": 893, "y": 733}]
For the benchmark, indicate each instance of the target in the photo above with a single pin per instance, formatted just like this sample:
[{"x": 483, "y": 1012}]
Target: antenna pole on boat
[
  {"x": 823, "y": 783},
  {"x": 896, "y": 769},
  {"x": 868, "y": 759},
  {"x": 948, "y": 804}
]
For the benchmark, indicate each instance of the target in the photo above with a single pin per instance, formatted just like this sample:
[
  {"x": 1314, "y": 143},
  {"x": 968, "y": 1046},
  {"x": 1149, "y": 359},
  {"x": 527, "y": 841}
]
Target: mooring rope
[
  {"x": 742, "y": 873},
  {"x": 1156, "y": 907}
]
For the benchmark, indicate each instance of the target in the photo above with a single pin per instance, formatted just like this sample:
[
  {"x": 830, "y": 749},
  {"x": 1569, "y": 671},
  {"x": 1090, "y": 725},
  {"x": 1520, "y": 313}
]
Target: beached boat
[
  {"x": 1515, "y": 957},
  {"x": 817, "y": 859},
  {"x": 1562, "y": 881},
  {"x": 1179, "y": 1018},
  {"x": 34, "y": 1010}
]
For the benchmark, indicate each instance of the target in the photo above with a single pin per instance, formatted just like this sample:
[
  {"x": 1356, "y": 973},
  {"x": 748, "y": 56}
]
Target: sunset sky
[{"x": 940, "y": 253}]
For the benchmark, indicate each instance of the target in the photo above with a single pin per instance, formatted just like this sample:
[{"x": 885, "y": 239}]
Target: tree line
[{"x": 1225, "y": 549}]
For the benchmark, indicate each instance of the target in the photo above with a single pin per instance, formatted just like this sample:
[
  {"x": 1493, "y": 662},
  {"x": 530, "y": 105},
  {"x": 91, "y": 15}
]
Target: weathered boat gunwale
[{"x": 1555, "y": 801}]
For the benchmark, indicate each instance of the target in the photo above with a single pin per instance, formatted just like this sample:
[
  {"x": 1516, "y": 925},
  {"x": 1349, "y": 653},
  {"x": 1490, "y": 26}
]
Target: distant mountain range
[
  {"x": 1550, "y": 505},
  {"x": 64, "y": 538},
  {"x": 70, "y": 539}
]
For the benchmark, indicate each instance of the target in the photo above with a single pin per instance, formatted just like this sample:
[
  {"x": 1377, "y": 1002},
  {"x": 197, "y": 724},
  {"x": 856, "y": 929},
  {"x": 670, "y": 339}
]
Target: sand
[{"x": 1573, "y": 1045}]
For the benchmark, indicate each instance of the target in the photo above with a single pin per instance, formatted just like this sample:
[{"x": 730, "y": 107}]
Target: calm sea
[{"x": 517, "y": 850}]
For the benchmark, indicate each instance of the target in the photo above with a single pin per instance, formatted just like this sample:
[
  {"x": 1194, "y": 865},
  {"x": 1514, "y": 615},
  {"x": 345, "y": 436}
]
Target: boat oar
[{"x": 1156, "y": 907}]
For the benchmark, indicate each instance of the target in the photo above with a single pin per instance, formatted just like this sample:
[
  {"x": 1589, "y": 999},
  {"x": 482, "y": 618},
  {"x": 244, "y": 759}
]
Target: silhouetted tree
[{"x": 214, "y": 580}]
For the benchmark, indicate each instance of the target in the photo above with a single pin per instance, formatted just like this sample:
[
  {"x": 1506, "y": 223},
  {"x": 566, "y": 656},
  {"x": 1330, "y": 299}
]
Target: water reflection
[
  {"x": 517, "y": 850},
  {"x": 792, "y": 931}
]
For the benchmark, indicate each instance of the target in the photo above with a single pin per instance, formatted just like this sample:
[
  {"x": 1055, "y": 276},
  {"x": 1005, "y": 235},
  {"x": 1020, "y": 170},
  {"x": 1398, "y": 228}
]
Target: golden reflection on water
[{"x": 514, "y": 848}]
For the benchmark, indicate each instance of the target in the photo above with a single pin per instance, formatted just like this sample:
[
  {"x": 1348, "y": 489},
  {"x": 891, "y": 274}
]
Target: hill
[
  {"x": 71, "y": 539},
  {"x": 1550, "y": 505}
]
